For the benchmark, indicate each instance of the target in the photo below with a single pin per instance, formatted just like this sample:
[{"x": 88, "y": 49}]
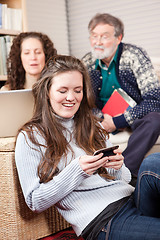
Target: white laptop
[{"x": 16, "y": 108}]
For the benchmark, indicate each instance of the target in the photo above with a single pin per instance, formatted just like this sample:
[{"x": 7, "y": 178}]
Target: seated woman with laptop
[{"x": 28, "y": 55}]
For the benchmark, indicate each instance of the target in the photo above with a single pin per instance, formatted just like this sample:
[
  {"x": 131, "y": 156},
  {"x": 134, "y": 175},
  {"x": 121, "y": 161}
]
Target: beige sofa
[{"x": 121, "y": 138}]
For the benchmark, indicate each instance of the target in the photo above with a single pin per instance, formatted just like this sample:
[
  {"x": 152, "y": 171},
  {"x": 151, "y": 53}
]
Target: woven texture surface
[
  {"x": 7, "y": 144},
  {"x": 17, "y": 221}
]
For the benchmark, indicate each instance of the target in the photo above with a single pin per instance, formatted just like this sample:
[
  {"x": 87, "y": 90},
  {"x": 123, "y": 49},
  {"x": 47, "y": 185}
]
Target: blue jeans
[{"x": 139, "y": 218}]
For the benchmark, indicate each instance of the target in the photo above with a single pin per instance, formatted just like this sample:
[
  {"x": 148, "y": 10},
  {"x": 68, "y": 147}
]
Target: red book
[{"x": 118, "y": 103}]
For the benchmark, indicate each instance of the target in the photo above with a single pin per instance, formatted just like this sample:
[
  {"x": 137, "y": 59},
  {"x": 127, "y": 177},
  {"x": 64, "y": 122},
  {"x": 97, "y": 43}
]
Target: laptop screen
[{"x": 16, "y": 108}]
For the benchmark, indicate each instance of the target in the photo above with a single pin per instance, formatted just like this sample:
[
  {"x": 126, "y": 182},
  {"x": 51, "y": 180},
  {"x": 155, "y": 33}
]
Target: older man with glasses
[{"x": 113, "y": 64}]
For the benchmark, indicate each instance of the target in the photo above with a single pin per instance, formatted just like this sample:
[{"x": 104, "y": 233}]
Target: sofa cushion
[{"x": 122, "y": 137}]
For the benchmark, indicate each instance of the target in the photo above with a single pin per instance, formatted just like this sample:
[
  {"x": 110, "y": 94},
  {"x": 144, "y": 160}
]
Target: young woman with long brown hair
[{"x": 56, "y": 165}]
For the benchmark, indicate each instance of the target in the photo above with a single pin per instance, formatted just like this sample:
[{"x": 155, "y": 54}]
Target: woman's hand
[
  {"x": 115, "y": 161},
  {"x": 90, "y": 164}
]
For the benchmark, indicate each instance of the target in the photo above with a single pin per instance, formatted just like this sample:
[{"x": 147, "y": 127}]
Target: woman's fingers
[
  {"x": 114, "y": 164},
  {"x": 115, "y": 161},
  {"x": 90, "y": 164}
]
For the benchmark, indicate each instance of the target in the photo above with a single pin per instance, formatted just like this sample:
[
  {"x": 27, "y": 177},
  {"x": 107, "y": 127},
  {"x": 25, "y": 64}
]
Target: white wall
[
  {"x": 141, "y": 20},
  {"x": 49, "y": 17}
]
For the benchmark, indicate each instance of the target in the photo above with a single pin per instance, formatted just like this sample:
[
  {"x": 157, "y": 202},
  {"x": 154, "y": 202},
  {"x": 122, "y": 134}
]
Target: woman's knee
[{"x": 151, "y": 163}]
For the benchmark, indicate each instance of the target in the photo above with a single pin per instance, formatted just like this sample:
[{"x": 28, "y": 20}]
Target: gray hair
[{"x": 106, "y": 18}]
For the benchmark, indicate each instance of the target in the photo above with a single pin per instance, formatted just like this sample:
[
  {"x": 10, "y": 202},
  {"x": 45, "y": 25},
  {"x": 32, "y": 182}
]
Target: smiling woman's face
[{"x": 66, "y": 93}]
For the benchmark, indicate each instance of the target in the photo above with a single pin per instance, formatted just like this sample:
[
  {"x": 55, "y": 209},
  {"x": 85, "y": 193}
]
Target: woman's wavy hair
[
  {"x": 88, "y": 133},
  {"x": 15, "y": 70}
]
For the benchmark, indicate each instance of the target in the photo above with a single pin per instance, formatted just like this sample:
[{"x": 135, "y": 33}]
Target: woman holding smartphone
[{"x": 56, "y": 165}]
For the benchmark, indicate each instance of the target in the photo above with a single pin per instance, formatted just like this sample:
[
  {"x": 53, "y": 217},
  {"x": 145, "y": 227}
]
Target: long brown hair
[
  {"x": 88, "y": 133},
  {"x": 15, "y": 70}
]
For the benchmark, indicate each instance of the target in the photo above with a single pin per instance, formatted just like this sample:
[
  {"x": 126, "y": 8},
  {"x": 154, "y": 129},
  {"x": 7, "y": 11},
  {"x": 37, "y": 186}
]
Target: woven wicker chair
[{"x": 17, "y": 221}]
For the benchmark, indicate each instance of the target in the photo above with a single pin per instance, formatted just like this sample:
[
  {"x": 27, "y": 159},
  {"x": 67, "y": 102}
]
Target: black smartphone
[{"x": 107, "y": 151}]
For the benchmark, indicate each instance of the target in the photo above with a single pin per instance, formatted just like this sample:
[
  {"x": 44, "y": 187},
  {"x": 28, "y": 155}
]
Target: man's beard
[{"x": 107, "y": 52}]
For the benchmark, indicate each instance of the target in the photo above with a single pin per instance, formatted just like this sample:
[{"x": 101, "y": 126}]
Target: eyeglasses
[{"x": 102, "y": 38}]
